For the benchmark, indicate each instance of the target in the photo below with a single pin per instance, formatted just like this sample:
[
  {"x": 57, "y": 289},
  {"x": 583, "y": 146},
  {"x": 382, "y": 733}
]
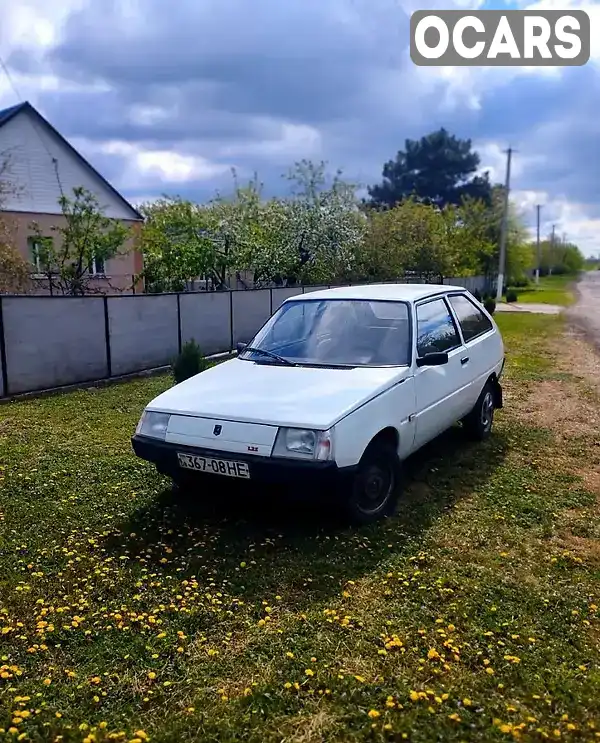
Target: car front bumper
[{"x": 262, "y": 469}]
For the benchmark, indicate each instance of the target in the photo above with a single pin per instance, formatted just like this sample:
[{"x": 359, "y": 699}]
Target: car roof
[{"x": 397, "y": 292}]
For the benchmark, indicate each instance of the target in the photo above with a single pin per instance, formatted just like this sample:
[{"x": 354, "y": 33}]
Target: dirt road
[{"x": 585, "y": 314}]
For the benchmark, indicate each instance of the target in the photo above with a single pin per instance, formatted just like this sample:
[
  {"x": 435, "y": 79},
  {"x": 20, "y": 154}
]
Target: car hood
[{"x": 308, "y": 397}]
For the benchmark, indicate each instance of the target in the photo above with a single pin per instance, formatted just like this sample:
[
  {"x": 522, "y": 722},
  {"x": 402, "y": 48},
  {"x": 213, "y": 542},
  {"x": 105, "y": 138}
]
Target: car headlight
[
  {"x": 153, "y": 424},
  {"x": 304, "y": 443}
]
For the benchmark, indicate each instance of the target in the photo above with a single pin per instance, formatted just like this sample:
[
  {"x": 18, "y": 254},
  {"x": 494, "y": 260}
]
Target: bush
[
  {"x": 490, "y": 305},
  {"x": 521, "y": 282},
  {"x": 189, "y": 362},
  {"x": 511, "y": 295},
  {"x": 477, "y": 295}
]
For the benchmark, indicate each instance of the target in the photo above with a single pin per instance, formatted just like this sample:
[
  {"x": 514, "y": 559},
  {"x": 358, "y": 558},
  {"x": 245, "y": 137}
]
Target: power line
[
  {"x": 44, "y": 144},
  {"x": 11, "y": 82}
]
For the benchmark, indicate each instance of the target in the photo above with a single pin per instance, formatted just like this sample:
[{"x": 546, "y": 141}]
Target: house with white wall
[{"x": 37, "y": 166}]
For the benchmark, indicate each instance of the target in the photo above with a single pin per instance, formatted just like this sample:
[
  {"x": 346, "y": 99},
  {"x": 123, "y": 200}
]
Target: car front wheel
[
  {"x": 375, "y": 485},
  {"x": 478, "y": 424}
]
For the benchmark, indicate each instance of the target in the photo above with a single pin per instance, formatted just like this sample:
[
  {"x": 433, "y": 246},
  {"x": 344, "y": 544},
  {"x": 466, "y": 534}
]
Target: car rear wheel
[
  {"x": 478, "y": 424},
  {"x": 375, "y": 485}
]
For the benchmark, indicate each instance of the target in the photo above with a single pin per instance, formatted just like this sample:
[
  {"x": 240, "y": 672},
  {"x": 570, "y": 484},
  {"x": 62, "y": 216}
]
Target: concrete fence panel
[
  {"x": 280, "y": 295},
  {"x": 309, "y": 289},
  {"x": 206, "y": 318},
  {"x": 251, "y": 309},
  {"x": 143, "y": 332},
  {"x": 53, "y": 341},
  {"x": 471, "y": 283}
]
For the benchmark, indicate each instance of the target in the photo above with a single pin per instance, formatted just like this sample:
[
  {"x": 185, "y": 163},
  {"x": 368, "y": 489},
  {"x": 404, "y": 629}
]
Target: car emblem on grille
[{"x": 217, "y": 430}]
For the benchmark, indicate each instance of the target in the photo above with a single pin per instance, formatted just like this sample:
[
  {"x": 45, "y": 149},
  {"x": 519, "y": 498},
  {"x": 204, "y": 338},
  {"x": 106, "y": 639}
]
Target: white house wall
[{"x": 30, "y": 147}]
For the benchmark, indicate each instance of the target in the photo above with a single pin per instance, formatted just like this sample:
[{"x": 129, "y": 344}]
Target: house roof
[{"x": 7, "y": 114}]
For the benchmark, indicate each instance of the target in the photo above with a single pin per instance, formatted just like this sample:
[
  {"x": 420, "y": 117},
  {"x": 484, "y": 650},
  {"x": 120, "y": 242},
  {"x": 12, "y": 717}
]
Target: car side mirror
[
  {"x": 241, "y": 347},
  {"x": 437, "y": 358}
]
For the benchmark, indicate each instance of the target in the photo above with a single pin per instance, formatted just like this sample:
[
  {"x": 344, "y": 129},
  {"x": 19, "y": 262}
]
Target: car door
[
  {"x": 440, "y": 390},
  {"x": 483, "y": 345}
]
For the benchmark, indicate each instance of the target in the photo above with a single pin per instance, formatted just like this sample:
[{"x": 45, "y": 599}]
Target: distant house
[{"x": 40, "y": 165}]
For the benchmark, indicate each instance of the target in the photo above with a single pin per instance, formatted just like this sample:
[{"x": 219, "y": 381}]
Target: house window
[
  {"x": 36, "y": 253},
  {"x": 97, "y": 267}
]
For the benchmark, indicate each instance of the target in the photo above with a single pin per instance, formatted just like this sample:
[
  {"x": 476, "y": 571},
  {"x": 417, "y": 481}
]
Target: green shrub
[
  {"x": 189, "y": 362},
  {"x": 521, "y": 282},
  {"x": 490, "y": 305},
  {"x": 511, "y": 295}
]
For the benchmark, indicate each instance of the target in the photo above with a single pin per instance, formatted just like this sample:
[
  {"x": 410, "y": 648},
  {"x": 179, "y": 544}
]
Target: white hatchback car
[{"x": 338, "y": 387}]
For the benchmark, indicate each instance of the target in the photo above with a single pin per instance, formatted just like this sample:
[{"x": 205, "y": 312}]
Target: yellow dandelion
[
  {"x": 373, "y": 713},
  {"x": 309, "y": 672}
]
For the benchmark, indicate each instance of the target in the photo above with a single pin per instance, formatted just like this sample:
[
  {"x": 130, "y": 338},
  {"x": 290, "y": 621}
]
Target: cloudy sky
[{"x": 168, "y": 97}]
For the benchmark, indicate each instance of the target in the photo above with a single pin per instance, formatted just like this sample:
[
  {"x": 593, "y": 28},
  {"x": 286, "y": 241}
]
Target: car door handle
[{"x": 465, "y": 360}]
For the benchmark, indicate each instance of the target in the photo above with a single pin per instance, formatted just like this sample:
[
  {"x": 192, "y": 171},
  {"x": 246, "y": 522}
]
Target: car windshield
[{"x": 335, "y": 332}]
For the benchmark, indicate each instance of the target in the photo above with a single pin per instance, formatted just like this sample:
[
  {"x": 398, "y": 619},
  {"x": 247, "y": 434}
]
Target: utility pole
[
  {"x": 504, "y": 228},
  {"x": 552, "y": 241},
  {"x": 539, "y": 260}
]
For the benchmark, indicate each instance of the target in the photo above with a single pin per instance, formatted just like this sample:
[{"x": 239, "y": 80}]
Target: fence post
[
  {"x": 107, "y": 337},
  {"x": 178, "y": 322},
  {"x": 230, "y": 318},
  {"x": 3, "y": 364}
]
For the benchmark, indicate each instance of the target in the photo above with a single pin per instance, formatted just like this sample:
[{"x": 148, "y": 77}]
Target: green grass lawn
[
  {"x": 551, "y": 290},
  {"x": 126, "y": 614}
]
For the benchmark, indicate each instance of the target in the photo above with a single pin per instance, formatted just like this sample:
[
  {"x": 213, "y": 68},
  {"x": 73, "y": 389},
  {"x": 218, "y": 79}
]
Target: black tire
[
  {"x": 478, "y": 424},
  {"x": 374, "y": 488}
]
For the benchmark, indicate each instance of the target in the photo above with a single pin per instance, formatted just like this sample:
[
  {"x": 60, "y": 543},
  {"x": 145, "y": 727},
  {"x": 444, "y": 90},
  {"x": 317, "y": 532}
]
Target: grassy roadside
[
  {"x": 551, "y": 290},
  {"x": 472, "y": 615}
]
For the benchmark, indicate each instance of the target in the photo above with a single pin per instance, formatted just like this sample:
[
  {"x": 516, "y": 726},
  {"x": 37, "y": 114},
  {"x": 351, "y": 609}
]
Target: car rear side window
[
  {"x": 471, "y": 319},
  {"x": 436, "y": 330}
]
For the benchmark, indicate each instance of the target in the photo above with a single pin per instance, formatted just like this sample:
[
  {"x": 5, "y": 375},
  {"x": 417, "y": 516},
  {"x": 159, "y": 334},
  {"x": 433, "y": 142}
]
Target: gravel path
[{"x": 585, "y": 314}]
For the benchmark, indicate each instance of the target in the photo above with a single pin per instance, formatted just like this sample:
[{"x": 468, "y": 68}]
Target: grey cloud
[{"x": 229, "y": 72}]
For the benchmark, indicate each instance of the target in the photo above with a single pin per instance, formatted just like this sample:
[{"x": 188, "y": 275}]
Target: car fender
[{"x": 393, "y": 408}]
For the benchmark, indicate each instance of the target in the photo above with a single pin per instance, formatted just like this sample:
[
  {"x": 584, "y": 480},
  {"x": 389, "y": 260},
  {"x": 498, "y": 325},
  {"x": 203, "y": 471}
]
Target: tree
[
  {"x": 85, "y": 242},
  {"x": 469, "y": 236},
  {"x": 324, "y": 226},
  {"x": 409, "y": 237},
  {"x": 252, "y": 233},
  {"x": 437, "y": 169},
  {"x": 177, "y": 243},
  {"x": 14, "y": 269},
  {"x": 560, "y": 257}
]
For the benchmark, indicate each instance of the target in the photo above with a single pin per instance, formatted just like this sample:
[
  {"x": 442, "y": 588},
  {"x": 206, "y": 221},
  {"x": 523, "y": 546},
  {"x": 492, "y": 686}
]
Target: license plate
[{"x": 213, "y": 466}]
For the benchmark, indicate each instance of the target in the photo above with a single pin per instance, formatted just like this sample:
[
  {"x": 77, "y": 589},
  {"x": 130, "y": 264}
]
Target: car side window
[
  {"x": 471, "y": 319},
  {"x": 436, "y": 330}
]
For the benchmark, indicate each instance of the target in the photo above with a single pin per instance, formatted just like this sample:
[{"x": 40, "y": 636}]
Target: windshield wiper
[{"x": 270, "y": 354}]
